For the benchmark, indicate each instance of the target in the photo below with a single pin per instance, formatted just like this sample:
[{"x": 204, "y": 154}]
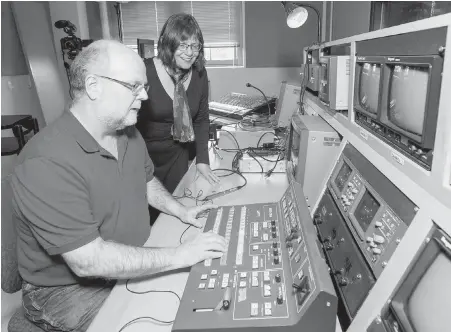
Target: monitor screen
[
  {"x": 295, "y": 146},
  {"x": 343, "y": 176},
  {"x": 366, "y": 210},
  {"x": 407, "y": 95},
  {"x": 428, "y": 308},
  {"x": 369, "y": 87}
]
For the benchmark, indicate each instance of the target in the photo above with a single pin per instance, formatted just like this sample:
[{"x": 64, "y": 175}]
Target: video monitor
[
  {"x": 435, "y": 282},
  {"x": 421, "y": 303},
  {"x": 366, "y": 210},
  {"x": 368, "y": 89},
  {"x": 407, "y": 94},
  {"x": 146, "y": 48},
  {"x": 343, "y": 176}
]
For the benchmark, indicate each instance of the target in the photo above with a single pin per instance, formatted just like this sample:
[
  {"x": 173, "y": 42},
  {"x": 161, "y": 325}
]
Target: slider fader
[{"x": 272, "y": 276}]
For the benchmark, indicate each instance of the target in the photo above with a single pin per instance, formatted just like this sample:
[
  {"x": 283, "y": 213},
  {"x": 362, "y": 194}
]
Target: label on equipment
[
  {"x": 399, "y": 159},
  {"x": 364, "y": 134}
]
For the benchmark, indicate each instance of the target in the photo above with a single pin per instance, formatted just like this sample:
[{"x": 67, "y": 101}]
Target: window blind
[{"x": 220, "y": 21}]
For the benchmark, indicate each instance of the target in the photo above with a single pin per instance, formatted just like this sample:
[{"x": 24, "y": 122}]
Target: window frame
[{"x": 239, "y": 50}]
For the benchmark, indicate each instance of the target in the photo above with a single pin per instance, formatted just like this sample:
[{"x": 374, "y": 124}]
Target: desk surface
[{"x": 123, "y": 306}]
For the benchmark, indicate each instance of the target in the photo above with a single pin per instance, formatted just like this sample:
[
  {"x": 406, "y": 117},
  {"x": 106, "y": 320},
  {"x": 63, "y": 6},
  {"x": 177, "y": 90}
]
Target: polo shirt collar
[
  {"x": 80, "y": 134},
  {"x": 86, "y": 141}
]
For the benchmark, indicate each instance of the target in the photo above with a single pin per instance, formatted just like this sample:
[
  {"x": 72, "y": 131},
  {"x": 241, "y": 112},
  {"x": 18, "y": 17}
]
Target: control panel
[
  {"x": 272, "y": 275},
  {"x": 377, "y": 228},
  {"x": 358, "y": 228}
]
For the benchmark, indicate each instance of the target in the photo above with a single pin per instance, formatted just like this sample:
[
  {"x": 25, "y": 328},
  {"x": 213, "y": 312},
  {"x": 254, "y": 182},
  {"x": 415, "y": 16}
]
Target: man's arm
[
  {"x": 161, "y": 199},
  {"x": 113, "y": 260},
  {"x": 105, "y": 259}
]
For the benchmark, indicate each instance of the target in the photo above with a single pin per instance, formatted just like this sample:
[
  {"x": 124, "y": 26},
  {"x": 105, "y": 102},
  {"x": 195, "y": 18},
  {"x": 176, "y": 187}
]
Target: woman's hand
[{"x": 208, "y": 174}]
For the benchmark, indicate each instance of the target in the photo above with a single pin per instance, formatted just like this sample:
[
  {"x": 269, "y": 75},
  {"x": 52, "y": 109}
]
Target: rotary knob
[
  {"x": 279, "y": 299},
  {"x": 274, "y": 244},
  {"x": 343, "y": 281},
  {"x": 278, "y": 278},
  {"x": 276, "y": 260}
]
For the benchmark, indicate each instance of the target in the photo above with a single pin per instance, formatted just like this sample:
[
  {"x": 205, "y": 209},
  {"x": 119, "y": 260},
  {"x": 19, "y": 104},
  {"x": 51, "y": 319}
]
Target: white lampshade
[{"x": 297, "y": 17}]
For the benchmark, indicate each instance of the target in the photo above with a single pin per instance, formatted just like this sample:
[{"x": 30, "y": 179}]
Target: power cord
[{"x": 147, "y": 317}]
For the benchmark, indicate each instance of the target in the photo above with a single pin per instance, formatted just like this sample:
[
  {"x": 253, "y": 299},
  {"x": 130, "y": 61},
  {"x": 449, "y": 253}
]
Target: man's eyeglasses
[
  {"x": 134, "y": 88},
  {"x": 194, "y": 47}
]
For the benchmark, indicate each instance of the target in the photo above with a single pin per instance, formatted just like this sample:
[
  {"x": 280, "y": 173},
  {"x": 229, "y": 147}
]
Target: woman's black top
[{"x": 156, "y": 118}]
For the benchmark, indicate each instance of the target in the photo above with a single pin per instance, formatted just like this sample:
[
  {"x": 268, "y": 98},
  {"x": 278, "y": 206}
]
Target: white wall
[
  {"x": 224, "y": 80},
  {"x": 18, "y": 97}
]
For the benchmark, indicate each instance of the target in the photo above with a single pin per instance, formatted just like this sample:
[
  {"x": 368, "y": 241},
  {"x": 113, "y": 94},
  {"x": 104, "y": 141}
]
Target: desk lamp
[{"x": 297, "y": 15}]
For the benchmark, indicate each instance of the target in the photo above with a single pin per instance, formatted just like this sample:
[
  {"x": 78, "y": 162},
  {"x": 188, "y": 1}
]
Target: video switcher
[{"x": 272, "y": 276}]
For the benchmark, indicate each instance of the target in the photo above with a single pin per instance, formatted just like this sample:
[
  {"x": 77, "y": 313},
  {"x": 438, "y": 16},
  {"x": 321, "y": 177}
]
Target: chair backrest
[{"x": 11, "y": 280}]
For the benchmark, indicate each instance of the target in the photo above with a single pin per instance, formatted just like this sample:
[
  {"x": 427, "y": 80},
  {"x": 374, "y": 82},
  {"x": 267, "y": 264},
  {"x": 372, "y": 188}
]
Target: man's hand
[
  {"x": 199, "y": 248},
  {"x": 190, "y": 214},
  {"x": 208, "y": 174}
]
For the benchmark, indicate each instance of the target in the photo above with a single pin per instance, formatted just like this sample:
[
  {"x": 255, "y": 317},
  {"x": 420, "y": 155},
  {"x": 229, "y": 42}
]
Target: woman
[{"x": 176, "y": 112}]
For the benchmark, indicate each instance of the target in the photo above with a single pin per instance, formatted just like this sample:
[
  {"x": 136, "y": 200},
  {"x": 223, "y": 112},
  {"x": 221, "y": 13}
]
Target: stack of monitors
[{"x": 397, "y": 98}]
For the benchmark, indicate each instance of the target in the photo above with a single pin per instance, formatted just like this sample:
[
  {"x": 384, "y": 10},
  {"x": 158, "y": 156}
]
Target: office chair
[
  {"x": 22, "y": 128},
  {"x": 11, "y": 280}
]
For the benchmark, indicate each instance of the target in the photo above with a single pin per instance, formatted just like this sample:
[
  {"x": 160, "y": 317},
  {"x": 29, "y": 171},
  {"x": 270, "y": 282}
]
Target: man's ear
[{"x": 93, "y": 87}]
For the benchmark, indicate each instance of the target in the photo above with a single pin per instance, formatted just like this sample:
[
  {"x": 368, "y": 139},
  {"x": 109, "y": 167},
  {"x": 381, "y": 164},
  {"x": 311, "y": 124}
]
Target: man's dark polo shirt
[{"x": 68, "y": 191}]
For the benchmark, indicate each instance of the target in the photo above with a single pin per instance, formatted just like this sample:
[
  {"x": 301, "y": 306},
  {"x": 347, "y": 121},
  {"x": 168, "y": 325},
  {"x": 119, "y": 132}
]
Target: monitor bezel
[
  {"x": 335, "y": 173},
  {"x": 142, "y": 43},
  {"x": 360, "y": 60},
  {"x": 431, "y": 250},
  {"x": 324, "y": 61},
  {"x": 313, "y": 70},
  {"x": 435, "y": 64}
]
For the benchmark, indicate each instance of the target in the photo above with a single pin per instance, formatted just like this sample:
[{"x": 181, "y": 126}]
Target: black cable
[
  {"x": 148, "y": 317},
  {"x": 118, "y": 8},
  {"x": 264, "y": 96},
  {"x": 181, "y": 236},
  {"x": 230, "y": 133},
  {"x": 259, "y": 140}
]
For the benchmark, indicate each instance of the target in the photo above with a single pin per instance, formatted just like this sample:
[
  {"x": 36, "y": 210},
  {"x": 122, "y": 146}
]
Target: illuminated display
[
  {"x": 366, "y": 210},
  {"x": 407, "y": 97},
  {"x": 343, "y": 176},
  {"x": 434, "y": 287},
  {"x": 369, "y": 87}
]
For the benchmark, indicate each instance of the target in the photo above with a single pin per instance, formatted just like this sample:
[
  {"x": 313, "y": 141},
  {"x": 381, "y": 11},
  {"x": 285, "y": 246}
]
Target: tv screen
[
  {"x": 366, "y": 210},
  {"x": 428, "y": 308},
  {"x": 295, "y": 145},
  {"x": 408, "y": 88},
  {"x": 343, "y": 176},
  {"x": 369, "y": 87}
]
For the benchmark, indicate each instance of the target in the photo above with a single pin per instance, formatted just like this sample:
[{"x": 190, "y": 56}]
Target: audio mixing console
[{"x": 272, "y": 276}]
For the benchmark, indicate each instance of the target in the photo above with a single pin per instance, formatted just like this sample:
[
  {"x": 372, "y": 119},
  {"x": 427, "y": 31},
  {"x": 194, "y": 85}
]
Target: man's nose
[{"x": 143, "y": 95}]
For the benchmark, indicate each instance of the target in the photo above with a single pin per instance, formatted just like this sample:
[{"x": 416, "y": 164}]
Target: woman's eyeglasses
[
  {"x": 134, "y": 88},
  {"x": 194, "y": 47}
]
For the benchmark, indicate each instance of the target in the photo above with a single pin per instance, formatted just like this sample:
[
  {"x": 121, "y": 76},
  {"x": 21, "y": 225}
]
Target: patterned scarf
[{"x": 182, "y": 129}]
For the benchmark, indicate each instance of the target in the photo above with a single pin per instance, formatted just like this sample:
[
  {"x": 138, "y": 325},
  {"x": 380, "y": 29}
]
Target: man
[{"x": 79, "y": 197}]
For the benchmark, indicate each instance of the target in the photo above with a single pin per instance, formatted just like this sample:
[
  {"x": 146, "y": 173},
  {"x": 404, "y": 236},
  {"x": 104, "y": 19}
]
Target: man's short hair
[{"x": 95, "y": 55}]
